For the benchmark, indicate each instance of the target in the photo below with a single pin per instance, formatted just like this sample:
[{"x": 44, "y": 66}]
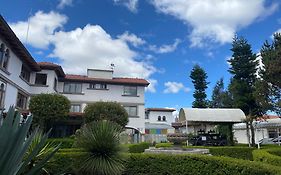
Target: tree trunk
[
  {"x": 252, "y": 133},
  {"x": 248, "y": 133},
  {"x": 230, "y": 130}
]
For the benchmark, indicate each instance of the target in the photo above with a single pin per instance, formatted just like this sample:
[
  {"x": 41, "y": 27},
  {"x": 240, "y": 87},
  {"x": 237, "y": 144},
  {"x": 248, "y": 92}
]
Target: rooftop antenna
[
  {"x": 112, "y": 66},
  {"x": 28, "y": 24}
]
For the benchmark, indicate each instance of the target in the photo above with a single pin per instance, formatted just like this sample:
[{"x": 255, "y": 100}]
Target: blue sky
[{"x": 159, "y": 40}]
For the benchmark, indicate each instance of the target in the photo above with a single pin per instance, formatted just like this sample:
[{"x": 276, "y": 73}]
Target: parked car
[{"x": 208, "y": 140}]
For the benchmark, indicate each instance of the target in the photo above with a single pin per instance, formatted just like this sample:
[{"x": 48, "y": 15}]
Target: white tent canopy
[{"x": 218, "y": 115}]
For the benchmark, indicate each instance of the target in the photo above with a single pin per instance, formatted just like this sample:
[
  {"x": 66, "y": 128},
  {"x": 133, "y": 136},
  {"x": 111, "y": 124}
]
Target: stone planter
[{"x": 177, "y": 138}]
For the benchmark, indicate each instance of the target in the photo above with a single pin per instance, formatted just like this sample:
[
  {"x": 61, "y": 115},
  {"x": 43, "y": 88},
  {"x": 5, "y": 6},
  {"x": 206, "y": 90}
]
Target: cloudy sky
[{"x": 159, "y": 40}]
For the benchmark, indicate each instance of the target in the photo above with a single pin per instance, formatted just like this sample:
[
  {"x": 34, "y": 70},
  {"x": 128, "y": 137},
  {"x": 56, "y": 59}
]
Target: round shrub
[
  {"x": 111, "y": 111},
  {"x": 46, "y": 108}
]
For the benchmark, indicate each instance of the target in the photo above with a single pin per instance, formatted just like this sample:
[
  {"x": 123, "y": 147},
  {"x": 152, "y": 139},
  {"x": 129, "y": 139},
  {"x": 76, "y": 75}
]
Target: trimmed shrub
[
  {"x": 163, "y": 145},
  {"x": 47, "y": 108},
  {"x": 154, "y": 164},
  {"x": 230, "y": 151},
  {"x": 138, "y": 148},
  {"x": 65, "y": 142},
  {"x": 275, "y": 151},
  {"x": 112, "y": 111},
  {"x": 64, "y": 162},
  {"x": 265, "y": 157}
]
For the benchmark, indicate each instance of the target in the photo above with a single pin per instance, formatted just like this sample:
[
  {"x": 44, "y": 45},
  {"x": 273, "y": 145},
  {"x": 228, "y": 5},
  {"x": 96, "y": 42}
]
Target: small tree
[
  {"x": 111, "y": 111},
  {"x": 47, "y": 108},
  {"x": 199, "y": 76}
]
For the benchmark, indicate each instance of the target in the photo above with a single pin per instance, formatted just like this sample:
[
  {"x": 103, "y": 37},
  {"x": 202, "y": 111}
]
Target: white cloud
[
  {"x": 64, "y": 3},
  {"x": 215, "y": 21},
  {"x": 131, "y": 38},
  {"x": 175, "y": 87},
  {"x": 166, "y": 48},
  {"x": 41, "y": 28},
  {"x": 132, "y": 5},
  {"x": 151, "y": 88},
  {"x": 92, "y": 47},
  {"x": 82, "y": 48}
]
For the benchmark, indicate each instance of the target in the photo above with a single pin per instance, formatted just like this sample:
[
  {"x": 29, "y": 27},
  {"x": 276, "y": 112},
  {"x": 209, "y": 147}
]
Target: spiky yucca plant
[
  {"x": 15, "y": 140},
  {"x": 100, "y": 140}
]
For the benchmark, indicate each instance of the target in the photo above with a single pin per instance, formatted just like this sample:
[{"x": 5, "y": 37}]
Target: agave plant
[
  {"x": 100, "y": 141},
  {"x": 15, "y": 140}
]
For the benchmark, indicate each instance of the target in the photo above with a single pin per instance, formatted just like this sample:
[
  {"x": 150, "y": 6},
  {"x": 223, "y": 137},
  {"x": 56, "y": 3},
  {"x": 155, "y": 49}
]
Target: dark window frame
[
  {"x": 41, "y": 81},
  {"x": 25, "y": 73},
  {"x": 127, "y": 90},
  {"x": 22, "y": 102}
]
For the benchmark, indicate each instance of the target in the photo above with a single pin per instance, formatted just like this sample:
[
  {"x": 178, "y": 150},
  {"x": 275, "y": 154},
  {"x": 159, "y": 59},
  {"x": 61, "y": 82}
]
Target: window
[
  {"x": 75, "y": 108},
  {"x": 72, "y": 88},
  {"x": 130, "y": 90},
  {"x": 55, "y": 84},
  {"x": 25, "y": 73},
  {"x": 159, "y": 118},
  {"x": 98, "y": 86},
  {"x": 146, "y": 115},
  {"x": 2, "y": 95},
  {"x": 41, "y": 79},
  {"x": 131, "y": 110},
  {"x": 6, "y": 59},
  {"x": 164, "y": 118},
  {"x": 21, "y": 100},
  {"x": 4, "y": 56}
]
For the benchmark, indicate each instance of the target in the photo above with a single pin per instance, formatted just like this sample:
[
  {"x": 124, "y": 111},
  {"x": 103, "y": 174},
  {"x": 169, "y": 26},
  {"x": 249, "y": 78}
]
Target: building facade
[
  {"x": 158, "y": 123},
  {"x": 21, "y": 77}
]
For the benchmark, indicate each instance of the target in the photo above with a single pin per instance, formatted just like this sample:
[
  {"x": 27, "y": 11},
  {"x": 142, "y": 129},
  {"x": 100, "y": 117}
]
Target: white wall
[
  {"x": 153, "y": 117},
  {"x": 14, "y": 82},
  {"x": 241, "y": 135},
  {"x": 49, "y": 88},
  {"x": 114, "y": 93}
]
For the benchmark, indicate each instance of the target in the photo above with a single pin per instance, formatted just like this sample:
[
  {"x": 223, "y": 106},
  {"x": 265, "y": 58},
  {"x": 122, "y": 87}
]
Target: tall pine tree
[
  {"x": 220, "y": 97},
  {"x": 269, "y": 84},
  {"x": 199, "y": 76},
  {"x": 242, "y": 86}
]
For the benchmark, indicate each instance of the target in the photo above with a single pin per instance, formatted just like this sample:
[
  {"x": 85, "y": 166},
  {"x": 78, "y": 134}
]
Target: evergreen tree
[
  {"x": 242, "y": 86},
  {"x": 199, "y": 76},
  {"x": 220, "y": 98},
  {"x": 269, "y": 84}
]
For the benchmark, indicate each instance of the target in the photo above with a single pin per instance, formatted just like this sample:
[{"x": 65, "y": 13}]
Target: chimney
[{"x": 99, "y": 73}]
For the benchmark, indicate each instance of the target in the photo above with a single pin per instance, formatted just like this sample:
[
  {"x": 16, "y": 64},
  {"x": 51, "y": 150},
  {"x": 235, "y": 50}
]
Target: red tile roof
[
  {"x": 52, "y": 66},
  {"x": 266, "y": 117},
  {"x": 161, "y": 109},
  {"x": 114, "y": 80}
]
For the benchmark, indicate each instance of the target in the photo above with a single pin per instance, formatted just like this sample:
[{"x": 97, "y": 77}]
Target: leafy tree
[
  {"x": 269, "y": 84},
  {"x": 199, "y": 76},
  {"x": 220, "y": 97},
  {"x": 112, "y": 111},
  {"x": 242, "y": 86},
  {"x": 47, "y": 108},
  {"x": 16, "y": 154},
  {"x": 103, "y": 152}
]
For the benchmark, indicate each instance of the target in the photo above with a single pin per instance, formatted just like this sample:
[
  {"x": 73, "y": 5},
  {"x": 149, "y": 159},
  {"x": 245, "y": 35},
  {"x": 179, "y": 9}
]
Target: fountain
[{"x": 177, "y": 139}]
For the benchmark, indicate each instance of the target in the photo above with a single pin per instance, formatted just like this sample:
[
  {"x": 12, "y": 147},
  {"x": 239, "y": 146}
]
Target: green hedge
[
  {"x": 230, "y": 151},
  {"x": 63, "y": 162},
  {"x": 265, "y": 157},
  {"x": 157, "y": 164},
  {"x": 163, "y": 145},
  {"x": 138, "y": 148},
  {"x": 65, "y": 142},
  {"x": 275, "y": 151}
]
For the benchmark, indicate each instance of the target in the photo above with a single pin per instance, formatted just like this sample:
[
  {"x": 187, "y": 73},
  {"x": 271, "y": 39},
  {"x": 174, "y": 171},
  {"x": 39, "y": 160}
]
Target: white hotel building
[{"x": 21, "y": 77}]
